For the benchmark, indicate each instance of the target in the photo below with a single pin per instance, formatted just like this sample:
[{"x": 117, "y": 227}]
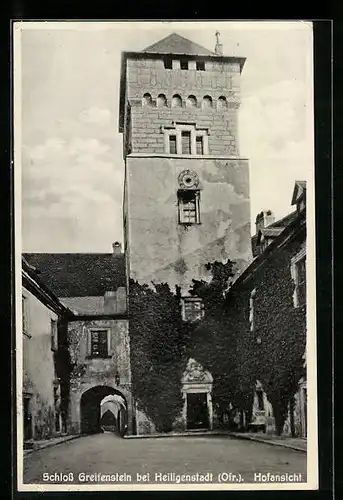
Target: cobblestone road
[{"x": 109, "y": 455}]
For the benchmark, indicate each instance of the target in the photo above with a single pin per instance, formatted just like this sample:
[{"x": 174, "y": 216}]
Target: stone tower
[{"x": 186, "y": 190}]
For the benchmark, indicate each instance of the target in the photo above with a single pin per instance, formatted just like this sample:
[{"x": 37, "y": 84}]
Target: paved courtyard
[{"x": 128, "y": 460}]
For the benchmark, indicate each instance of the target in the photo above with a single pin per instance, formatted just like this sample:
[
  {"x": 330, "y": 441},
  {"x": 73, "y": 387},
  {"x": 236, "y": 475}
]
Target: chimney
[
  {"x": 264, "y": 219},
  {"x": 219, "y": 46},
  {"x": 116, "y": 248}
]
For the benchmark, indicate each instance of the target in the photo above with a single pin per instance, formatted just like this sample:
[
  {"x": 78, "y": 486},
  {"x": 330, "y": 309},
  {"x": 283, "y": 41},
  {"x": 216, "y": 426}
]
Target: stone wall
[
  {"x": 220, "y": 82},
  {"x": 113, "y": 371}
]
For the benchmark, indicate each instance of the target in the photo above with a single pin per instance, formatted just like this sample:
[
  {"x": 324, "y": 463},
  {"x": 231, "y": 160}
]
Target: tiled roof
[
  {"x": 176, "y": 44},
  {"x": 79, "y": 274},
  {"x": 285, "y": 221}
]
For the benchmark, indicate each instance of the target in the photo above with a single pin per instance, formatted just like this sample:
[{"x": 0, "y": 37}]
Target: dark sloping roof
[
  {"x": 272, "y": 231},
  {"x": 299, "y": 191},
  {"x": 32, "y": 282},
  {"x": 176, "y": 44},
  {"x": 79, "y": 274},
  {"x": 285, "y": 221}
]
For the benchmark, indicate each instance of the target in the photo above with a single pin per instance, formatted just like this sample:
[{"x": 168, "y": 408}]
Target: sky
[{"x": 67, "y": 79}]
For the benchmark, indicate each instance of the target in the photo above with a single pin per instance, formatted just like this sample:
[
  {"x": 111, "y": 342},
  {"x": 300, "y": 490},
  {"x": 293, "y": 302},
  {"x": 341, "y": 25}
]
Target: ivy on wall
[{"x": 158, "y": 344}]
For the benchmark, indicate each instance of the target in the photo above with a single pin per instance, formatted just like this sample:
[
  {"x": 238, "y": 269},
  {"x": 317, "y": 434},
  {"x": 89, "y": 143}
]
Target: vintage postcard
[{"x": 165, "y": 256}]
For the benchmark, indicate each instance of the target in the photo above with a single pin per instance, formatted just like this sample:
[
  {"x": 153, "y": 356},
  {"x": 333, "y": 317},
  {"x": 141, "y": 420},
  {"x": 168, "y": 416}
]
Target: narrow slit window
[
  {"x": 172, "y": 144},
  {"x": 199, "y": 143},
  {"x": 186, "y": 142}
]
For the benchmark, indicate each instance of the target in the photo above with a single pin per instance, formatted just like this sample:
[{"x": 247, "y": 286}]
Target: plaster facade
[{"x": 39, "y": 378}]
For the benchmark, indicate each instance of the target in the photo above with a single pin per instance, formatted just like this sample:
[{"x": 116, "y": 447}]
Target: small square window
[
  {"x": 184, "y": 64},
  {"x": 172, "y": 144},
  {"x": 192, "y": 309},
  {"x": 188, "y": 202},
  {"x": 200, "y": 65}
]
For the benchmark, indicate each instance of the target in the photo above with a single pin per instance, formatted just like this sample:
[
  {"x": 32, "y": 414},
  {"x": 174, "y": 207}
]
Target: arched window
[
  {"x": 222, "y": 102},
  {"x": 207, "y": 101},
  {"x": 191, "y": 101},
  {"x": 176, "y": 101},
  {"x": 161, "y": 101},
  {"x": 147, "y": 101}
]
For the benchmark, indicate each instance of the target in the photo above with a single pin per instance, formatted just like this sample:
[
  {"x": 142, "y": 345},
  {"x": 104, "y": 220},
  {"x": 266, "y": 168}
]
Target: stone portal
[{"x": 197, "y": 396}]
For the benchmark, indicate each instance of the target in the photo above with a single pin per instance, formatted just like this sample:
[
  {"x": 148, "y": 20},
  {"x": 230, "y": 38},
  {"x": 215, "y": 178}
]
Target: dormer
[{"x": 299, "y": 195}]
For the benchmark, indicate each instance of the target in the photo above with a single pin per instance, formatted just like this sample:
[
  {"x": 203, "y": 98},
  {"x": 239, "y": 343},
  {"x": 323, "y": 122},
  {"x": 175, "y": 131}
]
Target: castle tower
[{"x": 186, "y": 193}]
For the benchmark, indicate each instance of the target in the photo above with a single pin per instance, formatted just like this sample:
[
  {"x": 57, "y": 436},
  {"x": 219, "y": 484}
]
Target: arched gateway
[{"x": 98, "y": 409}]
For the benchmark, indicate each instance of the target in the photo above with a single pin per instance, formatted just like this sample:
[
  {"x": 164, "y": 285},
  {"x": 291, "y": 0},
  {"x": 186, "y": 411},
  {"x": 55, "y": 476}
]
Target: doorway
[
  {"x": 197, "y": 411},
  {"x": 27, "y": 420}
]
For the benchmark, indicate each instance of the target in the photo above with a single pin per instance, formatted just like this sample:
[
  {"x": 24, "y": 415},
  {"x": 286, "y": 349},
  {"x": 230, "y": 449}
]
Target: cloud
[
  {"x": 276, "y": 137},
  {"x": 96, "y": 116},
  {"x": 75, "y": 181}
]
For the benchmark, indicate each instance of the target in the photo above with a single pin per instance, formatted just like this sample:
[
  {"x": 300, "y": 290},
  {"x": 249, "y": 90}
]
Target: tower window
[
  {"x": 161, "y": 101},
  {"x": 147, "y": 100},
  {"x": 200, "y": 65},
  {"x": 172, "y": 145},
  {"x": 199, "y": 143},
  {"x": 186, "y": 142},
  {"x": 222, "y": 102},
  {"x": 207, "y": 101},
  {"x": 189, "y": 210},
  {"x": 168, "y": 63},
  {"x": 191, "y": 101},
  {"x": 184, "y": 64},
  {"x": 185, "y": 139},
  {"x": 176, "y": 101}
]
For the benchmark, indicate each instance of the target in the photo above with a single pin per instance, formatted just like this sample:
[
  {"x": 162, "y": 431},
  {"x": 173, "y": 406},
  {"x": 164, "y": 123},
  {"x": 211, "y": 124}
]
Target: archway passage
[{"x": 91, "y": 410}]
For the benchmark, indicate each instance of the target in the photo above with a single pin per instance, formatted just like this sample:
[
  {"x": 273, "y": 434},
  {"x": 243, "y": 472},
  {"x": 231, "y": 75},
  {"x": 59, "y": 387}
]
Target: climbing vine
[{"x": 158, "y": 344}]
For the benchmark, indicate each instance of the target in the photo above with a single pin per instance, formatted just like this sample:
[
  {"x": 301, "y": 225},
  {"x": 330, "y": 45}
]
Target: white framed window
[
  {"x": 298, "y": 271},
  {"x": 251, "y": 309},
  {"x": 185, "y": 139},
  {"x": 54, "y": 335},
  {"x": 189, "y": 206},
  {"x": 192, "y": 309},
  {"x": 99, "y": 340}
]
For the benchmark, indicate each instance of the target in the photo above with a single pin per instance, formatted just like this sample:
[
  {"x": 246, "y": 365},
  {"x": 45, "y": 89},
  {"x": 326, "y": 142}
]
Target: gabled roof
[
  {"x": 299, "y": 191},
  {"x": 79, "y": 274},
  {"x": 32, "y": 282},
  {"x": 176, "y": 44}
]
